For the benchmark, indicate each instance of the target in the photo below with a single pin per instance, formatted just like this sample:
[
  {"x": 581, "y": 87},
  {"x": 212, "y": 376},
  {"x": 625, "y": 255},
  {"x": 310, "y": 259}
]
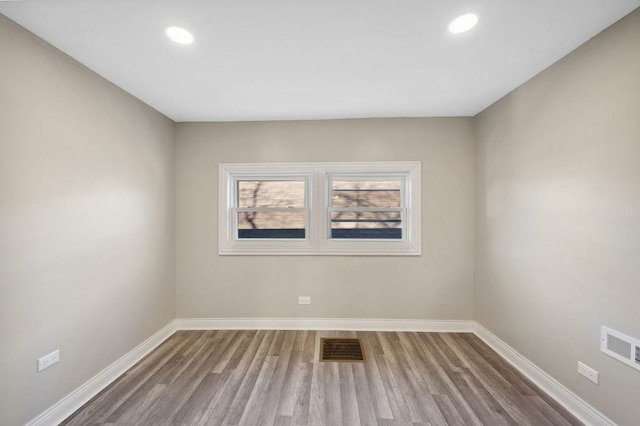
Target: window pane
[
  {"x": 270, "y": 193},
  {"x": 363, "y": 193},
  {"x": 271, "y": 225},
  {"x": 359, "y": 225}
]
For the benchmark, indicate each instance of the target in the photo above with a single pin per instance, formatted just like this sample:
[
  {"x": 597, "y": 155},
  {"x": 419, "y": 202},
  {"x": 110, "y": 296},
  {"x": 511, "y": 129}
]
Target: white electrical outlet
[
  {"x": 304, "y": 300},
  {"x": 48, "y": 360},
  {"x": 588, "y": 372}
]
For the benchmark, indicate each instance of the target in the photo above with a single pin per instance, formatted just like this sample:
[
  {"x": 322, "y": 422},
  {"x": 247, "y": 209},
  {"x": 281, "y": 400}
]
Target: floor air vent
[
  {"x": 345, "y": 350},
  {"x": 621, "y": 347}
]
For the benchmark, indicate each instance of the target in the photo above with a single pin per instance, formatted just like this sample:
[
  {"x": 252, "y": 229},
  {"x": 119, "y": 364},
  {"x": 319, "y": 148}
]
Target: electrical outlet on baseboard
[
  {"x": 304, "y": 300},
  {"x": 588, "y": 372}
]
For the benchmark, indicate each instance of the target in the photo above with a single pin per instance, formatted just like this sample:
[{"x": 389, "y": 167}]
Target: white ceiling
[{"x": 314, "y": 59}]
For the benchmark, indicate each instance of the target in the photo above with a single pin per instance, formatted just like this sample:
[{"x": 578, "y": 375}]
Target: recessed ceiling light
[
  {"x": 179, "y": 35},
  {"x": 463, "y": 23}
]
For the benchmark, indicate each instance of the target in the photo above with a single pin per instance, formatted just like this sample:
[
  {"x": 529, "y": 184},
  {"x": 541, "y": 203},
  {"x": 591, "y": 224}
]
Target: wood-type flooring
[{"x": 267, "y": 377}]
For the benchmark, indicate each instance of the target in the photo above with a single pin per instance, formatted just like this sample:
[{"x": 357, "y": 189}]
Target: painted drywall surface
[
  {"x": 86, "y": 223},
  {"x": 435, "y": 285},
  {"x": 558, "y": 216}
]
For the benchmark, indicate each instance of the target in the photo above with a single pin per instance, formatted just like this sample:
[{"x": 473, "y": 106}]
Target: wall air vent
[{"x": 621, "y": 347}]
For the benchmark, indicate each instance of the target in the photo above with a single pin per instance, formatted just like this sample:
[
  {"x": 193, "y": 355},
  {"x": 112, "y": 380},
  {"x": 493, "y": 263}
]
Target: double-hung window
[
  {"x": 272, "y": 208},
  {"x": 366, "y": 207},
  {"x": 320, "y": 208}
]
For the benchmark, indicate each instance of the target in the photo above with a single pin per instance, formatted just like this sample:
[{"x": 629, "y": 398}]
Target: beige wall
[
  {"x": 86, "y": 223},
  {"x": 436, "y": 285},
  {"x": 87, "y": 220},
  {"x": 558, "y": 216}
]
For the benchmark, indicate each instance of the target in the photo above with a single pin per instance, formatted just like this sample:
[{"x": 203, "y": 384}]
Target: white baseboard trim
[
  {"x": 69, "y": 404},
  {"x": 569, "y": 400},
  {"x": 76, "y": 399},
  {"x": 354, "y": 324}
]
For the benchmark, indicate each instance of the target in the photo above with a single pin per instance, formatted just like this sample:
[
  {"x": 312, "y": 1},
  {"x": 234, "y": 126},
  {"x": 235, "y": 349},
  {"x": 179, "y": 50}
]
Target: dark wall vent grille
[{"x": 345, "y": 350}]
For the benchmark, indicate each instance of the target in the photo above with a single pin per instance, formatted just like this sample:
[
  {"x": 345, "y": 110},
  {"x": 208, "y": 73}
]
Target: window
[
  {"x": 320, "y": 208},
  {"x": 366, "y": 208},
  {"x": 271, "y": 209}
]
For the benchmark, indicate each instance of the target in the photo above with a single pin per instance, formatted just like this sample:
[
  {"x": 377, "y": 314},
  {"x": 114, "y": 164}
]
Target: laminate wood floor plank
[
  {"x": 419, "y": 362},
  {"x": 496, "y": 410},
  {"x": 276, "y": 343},
  {"x": 302, "y": 396},
  {"x": 242, "y": 399},
  {"x": 253, "y": 407},
  {"x": 496, "y": 385},
  {"x": 110, "y": 398},
  {"x": 333, "y": 397},
  {"x": 348, "y": 400},
  {"x": 511, "y": 375},
  {"x": 399, "y": 409},
  {"x": 379, "y": 396},
  {"x": 195, "y": 408},
  {"x": 234, "y": 339},
  {"x": 366, "y": 409},
  {"x": 241, "y": 359},
  {"x": 275, "y": 390},
  {"x": 549, "y": 413},
  {"x": 449, "y": 411},
  {"x": 430, "y": 357},
  {"x": 399, "y": 374},
  {"x": 182, "y": 386},
  {"x": 317, "y": 401},
  {"x": 274, "y": 377},
  {"x": 515, "y": 378},
  {"x": 423, "y": 391},
  {"x": 295, "y": 369}
]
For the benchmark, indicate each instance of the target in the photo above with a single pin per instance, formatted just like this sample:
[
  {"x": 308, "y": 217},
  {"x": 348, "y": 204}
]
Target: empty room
[{"x": 320, "y": 212}]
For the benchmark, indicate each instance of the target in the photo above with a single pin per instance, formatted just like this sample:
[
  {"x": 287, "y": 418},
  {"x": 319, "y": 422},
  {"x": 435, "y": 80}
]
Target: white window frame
[
  {"x": 318, "y": 178},
  {"x": 230, "y": 174}
]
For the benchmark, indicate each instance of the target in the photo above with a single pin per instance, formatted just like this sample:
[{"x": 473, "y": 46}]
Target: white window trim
[
  {"x": 227, "y": 230},
  {"x": 317, "y": 236}
]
